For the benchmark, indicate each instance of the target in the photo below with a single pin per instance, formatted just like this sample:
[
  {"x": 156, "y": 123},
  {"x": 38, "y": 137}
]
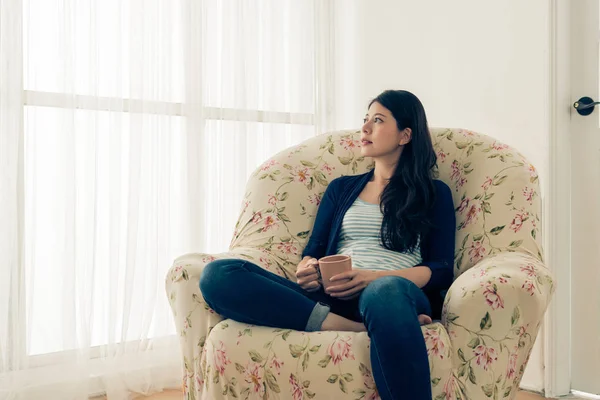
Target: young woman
[{"x": 397, "y": 222}]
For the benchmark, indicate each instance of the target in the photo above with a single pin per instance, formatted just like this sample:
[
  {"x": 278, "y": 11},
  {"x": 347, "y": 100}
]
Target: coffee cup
[{"x": 332, "y": 265}]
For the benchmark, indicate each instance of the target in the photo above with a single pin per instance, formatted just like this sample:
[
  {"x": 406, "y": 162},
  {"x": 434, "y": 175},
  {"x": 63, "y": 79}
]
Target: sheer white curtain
[{"x": 127, "y": 132}]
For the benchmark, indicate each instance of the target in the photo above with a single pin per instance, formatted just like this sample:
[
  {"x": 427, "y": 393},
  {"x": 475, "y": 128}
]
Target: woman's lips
[{"x": 365, "y": 142}]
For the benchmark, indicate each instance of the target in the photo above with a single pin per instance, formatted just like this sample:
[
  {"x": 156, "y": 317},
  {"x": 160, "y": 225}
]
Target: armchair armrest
[
  {"x": 193, "y": 318},
  {"x": 493, "y": 313}
]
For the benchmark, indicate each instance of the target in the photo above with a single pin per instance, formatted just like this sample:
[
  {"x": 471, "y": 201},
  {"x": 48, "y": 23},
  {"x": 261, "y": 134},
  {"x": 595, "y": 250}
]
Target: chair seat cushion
[{"x": 245, "y": 361}]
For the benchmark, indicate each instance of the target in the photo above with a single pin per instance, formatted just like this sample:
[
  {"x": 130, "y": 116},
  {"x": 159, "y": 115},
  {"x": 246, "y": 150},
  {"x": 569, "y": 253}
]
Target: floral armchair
[{"x": 491, "y": 314}]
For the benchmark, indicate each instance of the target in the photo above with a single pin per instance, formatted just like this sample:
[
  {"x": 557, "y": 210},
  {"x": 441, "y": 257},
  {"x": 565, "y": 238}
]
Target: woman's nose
[{"x": 366, "y": 128}]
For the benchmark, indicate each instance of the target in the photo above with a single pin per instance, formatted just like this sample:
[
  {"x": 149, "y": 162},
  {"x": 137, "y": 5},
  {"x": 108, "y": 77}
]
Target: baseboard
[{"x": 533, "y": 389}]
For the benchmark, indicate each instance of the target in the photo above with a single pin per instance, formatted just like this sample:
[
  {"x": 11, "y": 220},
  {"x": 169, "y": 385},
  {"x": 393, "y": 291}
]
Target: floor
[{"x": 176, "y": 395}]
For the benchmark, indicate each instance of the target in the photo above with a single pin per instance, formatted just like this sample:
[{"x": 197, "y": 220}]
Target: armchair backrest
[{"x": 496, "y": 196}]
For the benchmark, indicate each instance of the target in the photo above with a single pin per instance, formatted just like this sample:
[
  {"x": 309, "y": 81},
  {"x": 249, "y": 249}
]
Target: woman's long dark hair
[{"x": 408, "y": 198}]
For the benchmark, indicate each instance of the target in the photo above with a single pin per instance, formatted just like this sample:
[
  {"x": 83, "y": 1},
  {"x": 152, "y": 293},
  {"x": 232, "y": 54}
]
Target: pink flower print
[
  {"x": 256, "y": 217},
  {"x": 532, "y": 171},
  {"x": 287, "y": 248},
  {"x": 270, "y": 223},
  {"x": 246, "y": 204},
  {"x": 208, "y": 259},
  {"x": 528, "y": 193},
  {"x": 272, "y": 200},
  {"x": 268, "y": 165},
  {"x": 368, "y": 380},
  {"x": 220, "y": 360},
  {"x": 314, "y": 199},
  {"x": 476, "y": 252},
  {"x": 485, "y": 356},
  {"x": 529, "y": 270},
  {"x": 276, "y": 364},
  {"x": 369, "y": 383},
  {"x": 349, "y": 144},
  {"x": 199, "y": 381},
  {"x": 473, "y": 213},
  {"x": 434, "y": 343},
  {"x": 441, "y": 156},
  {"x": 517, "y": 222},
  {"x": 265, "y": 262},
  {"x": 529, "y": 287},
  {"x": 178, "y": 269},
  {"x": 511, "y": 369},
  {"x": 295, "y": 388},
  {"x": 502, "y": 280},
  {"x": 492, "y": 297},
  {"x": 461, "y": 181},
  {"x": 450, "y": 388},
  {"x": 328, "y": 168},
  {"x": 499, "y": 146},
  {"x": 373, "y": 395},
  {"x": 456, "y": 172},
  {"x": 523, "y": 330},
  {"x": 487, "y": 183},
  {"x": 463, "y": 204},
  {"x": 340, "y": 349},
  {"x": 254, "y": 375},
  {"x": 301, "y": 174}
]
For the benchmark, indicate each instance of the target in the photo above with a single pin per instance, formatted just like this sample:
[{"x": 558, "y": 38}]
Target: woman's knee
[
  {"x": 216, "y": 275},
  {"x": 387, "y": 291},
  {"x": 390, "y": 286}
]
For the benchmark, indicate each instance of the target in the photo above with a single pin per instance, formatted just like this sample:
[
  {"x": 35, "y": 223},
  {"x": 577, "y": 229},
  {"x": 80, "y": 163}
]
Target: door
[{"x": 585, "y": 199}]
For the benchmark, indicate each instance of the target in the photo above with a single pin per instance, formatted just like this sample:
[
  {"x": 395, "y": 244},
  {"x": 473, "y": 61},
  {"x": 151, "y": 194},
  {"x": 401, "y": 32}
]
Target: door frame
[{"x": 557, "y": 324}]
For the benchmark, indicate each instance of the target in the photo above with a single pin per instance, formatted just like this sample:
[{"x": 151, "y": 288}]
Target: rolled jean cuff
[{"x": 317, "y": 316}]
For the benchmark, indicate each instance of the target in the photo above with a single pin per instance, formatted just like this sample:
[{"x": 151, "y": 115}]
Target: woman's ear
[{"x": 405, "y": 136}]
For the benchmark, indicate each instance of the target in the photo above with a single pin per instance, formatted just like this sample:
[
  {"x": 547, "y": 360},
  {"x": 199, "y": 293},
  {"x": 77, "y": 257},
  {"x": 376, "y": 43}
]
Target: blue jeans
[{"x": 388, "y": 307}]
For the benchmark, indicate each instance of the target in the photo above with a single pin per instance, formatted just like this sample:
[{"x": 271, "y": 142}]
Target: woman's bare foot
[
  {"x": 425, "y": 319},
  {"x": 334, "y": 322}
]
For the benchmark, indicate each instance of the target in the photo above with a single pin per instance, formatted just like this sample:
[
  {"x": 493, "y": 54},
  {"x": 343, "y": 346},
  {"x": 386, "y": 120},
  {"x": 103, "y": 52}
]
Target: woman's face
[{"x": 380, "y": 135}]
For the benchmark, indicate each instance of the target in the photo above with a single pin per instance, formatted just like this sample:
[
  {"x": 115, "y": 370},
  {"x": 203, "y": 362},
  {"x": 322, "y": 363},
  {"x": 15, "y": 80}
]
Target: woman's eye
[
  {"x": 364, "y": 120},
  {"x": 377, "y": 119}
]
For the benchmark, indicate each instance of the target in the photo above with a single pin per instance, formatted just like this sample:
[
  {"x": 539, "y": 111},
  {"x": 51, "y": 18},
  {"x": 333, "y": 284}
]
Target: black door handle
[{"x": 585, "y": 105}]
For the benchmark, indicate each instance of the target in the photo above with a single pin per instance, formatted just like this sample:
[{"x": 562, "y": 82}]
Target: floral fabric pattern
[{"x": 491, "y": 314}]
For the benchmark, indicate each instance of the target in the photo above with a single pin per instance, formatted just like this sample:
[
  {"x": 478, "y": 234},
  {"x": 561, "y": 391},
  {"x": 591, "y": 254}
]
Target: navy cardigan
[{"x": 437, "y": 247}]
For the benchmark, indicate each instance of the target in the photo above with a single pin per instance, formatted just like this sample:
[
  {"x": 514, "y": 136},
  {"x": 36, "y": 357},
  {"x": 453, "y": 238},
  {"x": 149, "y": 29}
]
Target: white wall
[{"x": 479, "y": 65}]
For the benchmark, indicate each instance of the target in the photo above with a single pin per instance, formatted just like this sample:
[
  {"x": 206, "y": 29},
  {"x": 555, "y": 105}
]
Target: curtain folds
[{"x": 127, "y": 132}]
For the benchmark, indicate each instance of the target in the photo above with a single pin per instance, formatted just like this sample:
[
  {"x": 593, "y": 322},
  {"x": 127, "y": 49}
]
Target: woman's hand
[
  {"x": 307, "y": 274},
  {"x": 358, "y": 280}
]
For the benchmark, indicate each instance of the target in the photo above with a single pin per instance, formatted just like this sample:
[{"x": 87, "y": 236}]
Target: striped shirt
[{"x": 360, "y": 237}]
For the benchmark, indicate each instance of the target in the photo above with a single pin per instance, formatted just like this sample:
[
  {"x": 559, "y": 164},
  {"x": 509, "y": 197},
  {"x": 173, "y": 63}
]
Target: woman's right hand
[{"x": 307, "y": 274}]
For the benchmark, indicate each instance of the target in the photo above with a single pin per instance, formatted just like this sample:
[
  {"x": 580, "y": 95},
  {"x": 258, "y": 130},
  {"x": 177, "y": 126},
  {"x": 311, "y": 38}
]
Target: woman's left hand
[{"x": 358, "y": 280}]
